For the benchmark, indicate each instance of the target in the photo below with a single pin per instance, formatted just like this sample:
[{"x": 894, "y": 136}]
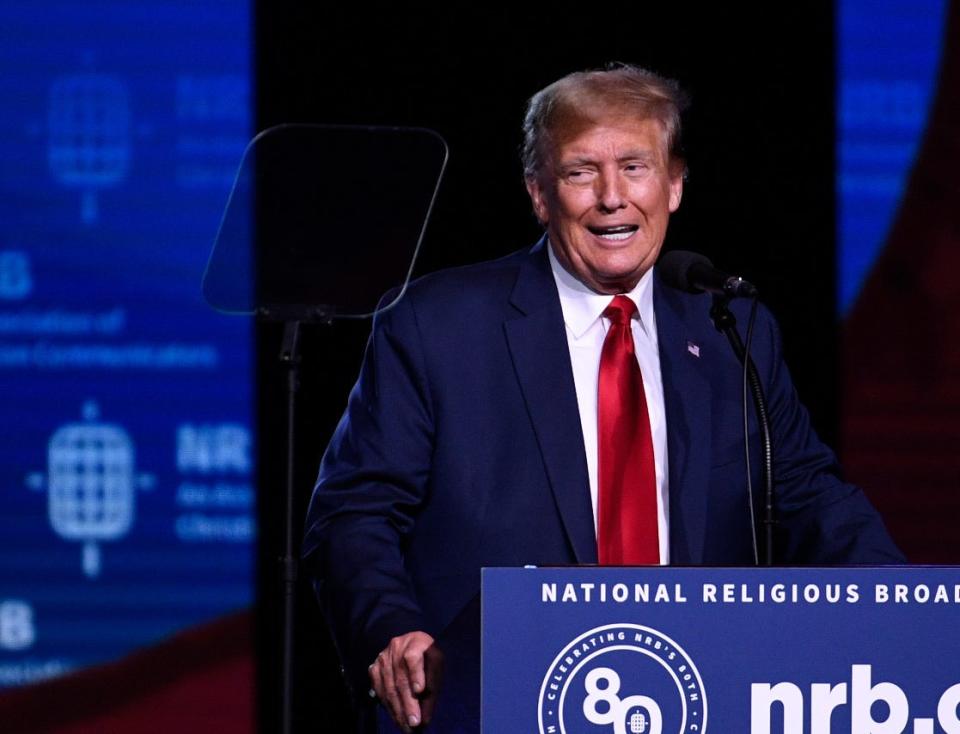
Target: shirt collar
[{"x": 582, "y": 307}]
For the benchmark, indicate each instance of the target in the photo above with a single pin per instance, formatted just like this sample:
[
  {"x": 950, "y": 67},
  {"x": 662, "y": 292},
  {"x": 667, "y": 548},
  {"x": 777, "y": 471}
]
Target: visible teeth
[{"x": 616, "y": 232}]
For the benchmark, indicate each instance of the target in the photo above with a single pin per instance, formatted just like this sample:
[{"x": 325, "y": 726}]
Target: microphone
[{"x": 693, "y": 273}]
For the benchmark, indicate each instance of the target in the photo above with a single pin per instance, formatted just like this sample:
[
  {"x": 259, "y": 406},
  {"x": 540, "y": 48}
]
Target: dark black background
[{"x": 759, "y": 200}]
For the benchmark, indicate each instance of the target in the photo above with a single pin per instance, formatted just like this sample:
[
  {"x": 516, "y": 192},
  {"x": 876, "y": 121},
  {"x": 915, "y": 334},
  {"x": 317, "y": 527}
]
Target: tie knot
[{"x": 620, "y": 310}]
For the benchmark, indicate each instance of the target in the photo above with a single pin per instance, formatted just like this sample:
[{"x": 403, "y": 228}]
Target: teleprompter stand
[{"x": 322, "y": 221}]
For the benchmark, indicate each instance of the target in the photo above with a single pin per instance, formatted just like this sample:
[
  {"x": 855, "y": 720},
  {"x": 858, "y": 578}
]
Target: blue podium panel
[{"x": 729, "y": 651}]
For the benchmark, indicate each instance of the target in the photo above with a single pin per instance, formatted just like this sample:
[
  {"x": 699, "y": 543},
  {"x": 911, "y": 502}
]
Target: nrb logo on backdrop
[{"x": 626, "y": 678}]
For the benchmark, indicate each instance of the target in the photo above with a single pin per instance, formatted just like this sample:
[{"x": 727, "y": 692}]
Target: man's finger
[
  {"x": 376, "y": 680},
  {"x": 389, "y": 695},
  {"x": 417, "y": 668},
  {"x": 404, "y": 666}
]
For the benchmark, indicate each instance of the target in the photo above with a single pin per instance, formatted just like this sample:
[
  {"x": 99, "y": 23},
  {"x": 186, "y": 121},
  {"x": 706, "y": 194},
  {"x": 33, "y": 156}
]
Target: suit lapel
[
  {"x": 687, "y": 400},
  {"x": 541, "y": 358}
]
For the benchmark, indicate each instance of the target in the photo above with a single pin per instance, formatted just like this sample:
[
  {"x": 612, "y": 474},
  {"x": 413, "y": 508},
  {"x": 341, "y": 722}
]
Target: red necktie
[{"x": 627, "y": 504}]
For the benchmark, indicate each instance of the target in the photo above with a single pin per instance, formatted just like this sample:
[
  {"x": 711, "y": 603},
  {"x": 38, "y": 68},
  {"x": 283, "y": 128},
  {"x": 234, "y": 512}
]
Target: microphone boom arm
[{"x": 726, "y": 324}]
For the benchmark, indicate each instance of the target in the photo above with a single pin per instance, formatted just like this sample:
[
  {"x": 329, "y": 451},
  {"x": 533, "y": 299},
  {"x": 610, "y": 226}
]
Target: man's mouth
[{"x": 614, "y": 233}]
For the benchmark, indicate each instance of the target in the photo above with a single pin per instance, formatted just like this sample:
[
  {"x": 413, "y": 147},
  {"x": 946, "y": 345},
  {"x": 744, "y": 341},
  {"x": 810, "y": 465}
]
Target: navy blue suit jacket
[{"x": 461, "y": 447}]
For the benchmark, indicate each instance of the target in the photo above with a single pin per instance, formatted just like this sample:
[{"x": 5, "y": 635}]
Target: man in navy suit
[{"x": 471, "y": 437}]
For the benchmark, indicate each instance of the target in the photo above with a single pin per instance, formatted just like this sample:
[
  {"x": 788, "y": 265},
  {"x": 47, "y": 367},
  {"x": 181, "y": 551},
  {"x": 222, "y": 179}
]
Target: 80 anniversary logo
[{"x": 627, "y": 678}]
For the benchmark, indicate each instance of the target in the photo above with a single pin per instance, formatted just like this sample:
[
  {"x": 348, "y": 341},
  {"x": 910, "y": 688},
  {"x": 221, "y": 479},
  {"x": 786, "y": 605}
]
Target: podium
[{"x": 658, "y": 650}]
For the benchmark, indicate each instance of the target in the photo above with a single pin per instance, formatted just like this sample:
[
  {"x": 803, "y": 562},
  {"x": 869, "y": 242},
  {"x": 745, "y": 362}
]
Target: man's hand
[{"x": 406, "y": 678}]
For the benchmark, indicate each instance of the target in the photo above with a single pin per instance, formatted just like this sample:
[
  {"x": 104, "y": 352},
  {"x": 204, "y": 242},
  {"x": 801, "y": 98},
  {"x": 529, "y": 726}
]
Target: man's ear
[
  {"x": 537, "y": 199},
  {"x": 676, "y": 193},
  {"x": 678, "y": 172}
]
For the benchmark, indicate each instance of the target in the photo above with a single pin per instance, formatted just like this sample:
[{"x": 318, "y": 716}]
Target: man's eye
[
  {"x": 635, "y": 168},
  {"x": 580, "y": 176}
]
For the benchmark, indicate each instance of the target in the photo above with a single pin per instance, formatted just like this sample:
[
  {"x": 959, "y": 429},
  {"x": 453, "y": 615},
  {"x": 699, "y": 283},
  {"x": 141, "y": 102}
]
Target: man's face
[{"x": 605, "y": 195}]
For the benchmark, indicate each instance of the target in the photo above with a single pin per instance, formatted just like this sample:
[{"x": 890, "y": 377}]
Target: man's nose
[{"x": 611, "y": 194}]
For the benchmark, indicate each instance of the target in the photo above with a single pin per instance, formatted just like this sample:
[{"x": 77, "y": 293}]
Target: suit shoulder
[
  {"x": 691, "y": 312},
  {"x": 698, "y": 305}
]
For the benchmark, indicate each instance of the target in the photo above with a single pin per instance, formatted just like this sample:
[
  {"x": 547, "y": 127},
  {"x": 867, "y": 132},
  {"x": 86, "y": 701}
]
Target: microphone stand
[{"x": 726, "y": 324}]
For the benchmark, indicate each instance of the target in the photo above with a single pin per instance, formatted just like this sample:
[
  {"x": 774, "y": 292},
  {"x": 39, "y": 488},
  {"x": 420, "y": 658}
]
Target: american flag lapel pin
[{"x": 694, "y": 349}]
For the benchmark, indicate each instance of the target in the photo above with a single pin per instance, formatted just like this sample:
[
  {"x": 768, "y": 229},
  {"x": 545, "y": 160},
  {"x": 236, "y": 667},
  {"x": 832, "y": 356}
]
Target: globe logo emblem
[
  {"x": 638, "y": 723},
  {"x": 90, "y": 484},
  {"x": 89, "y": 128},
  {"x": 622, "y": 679}
]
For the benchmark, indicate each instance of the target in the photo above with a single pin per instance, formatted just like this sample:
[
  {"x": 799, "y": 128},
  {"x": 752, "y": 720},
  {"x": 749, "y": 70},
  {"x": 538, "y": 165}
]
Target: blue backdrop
[
  {"x": 126, "y": 448},
  {"x": 888, "y": 59}
]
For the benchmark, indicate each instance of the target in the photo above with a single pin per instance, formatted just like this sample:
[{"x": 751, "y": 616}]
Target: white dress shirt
[{"x": 586, "y": 328}]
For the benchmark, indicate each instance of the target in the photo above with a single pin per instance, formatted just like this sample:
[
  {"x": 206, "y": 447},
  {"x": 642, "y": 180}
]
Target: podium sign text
[{"x": 726, "y": 651}]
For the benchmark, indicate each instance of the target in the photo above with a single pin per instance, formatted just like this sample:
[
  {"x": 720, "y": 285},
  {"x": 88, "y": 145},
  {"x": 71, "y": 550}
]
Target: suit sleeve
[
  {"x": 822, "y": 519},
  {"x": 373, "y": 477}
]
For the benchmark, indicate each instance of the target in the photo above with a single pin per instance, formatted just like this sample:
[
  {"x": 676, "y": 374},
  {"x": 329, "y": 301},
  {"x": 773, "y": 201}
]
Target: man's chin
[{"x": 612, "y": 283}]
